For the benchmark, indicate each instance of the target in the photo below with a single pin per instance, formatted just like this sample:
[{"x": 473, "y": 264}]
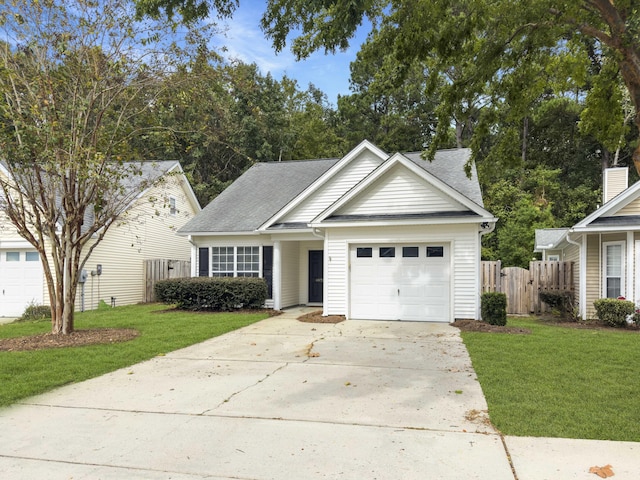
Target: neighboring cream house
[
  {"x": 369, "y": 235},
  {"x": 146, "y": 230},
  {"x": 604, "y": 246}
]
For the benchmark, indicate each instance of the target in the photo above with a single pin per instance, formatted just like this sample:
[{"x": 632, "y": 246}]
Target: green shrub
[
  {"x": 614, "y": 312},
  {"x": 562, "y": 302},
  {"x": 213, "y": 293},
  {"x": 35, "y": 312},
  {"x": 494, "y": 308}
]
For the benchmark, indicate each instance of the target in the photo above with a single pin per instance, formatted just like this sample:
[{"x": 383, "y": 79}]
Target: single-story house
[
  {"x": 604, "y": 246},
  {"x": 146, "y": 230},
  {"x": 369, "y": 235}
]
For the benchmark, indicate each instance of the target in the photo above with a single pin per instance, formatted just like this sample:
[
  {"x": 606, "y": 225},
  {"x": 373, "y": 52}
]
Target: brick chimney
[{"x": 615, "y": 181}]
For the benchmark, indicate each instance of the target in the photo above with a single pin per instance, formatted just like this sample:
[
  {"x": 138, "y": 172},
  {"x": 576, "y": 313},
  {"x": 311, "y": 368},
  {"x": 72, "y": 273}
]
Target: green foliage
[
  {"x": 494, "y": 308},
  {"x": 35, "y": 312},
  {"x": 562, "y": 302},
  {"x": 614, "y": 312},
  {"x": 23, "y": 374},
  {"x": 213, "y": 293},
  {"x": 534, "y": 382}
]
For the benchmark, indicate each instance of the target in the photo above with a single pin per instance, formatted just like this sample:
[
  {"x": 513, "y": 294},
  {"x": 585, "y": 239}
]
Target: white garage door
[
  {"x": 21, "y": 281},
  {"x": 400, "y": 282}
]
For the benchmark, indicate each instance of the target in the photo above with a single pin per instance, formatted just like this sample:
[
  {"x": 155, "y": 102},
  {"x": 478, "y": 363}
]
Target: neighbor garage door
[
  {"x": 21, "y": 281},
  {"x": 400, "y": 282}
]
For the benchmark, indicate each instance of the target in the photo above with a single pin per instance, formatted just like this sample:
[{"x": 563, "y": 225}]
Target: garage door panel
[
  {"x": 21, "y": 281},
  {"x": 400, "y": 288}
]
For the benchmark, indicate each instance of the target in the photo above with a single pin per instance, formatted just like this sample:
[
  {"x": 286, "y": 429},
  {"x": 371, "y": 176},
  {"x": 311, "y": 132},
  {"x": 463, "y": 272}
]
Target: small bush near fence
[
  {"x": 207, "y": 293},
  {"x": 494, "y": 308},
  {"x": 614, "y": 312},
  {"x": 560, "y": 302},
  {"x": 35, "y": 312}
]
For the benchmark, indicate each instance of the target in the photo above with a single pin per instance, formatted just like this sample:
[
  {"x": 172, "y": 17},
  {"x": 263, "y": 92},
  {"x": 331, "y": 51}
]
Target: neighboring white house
[
  {"x": 604, "y": 246},
  {"x": 369, "y": 236},
  {"x": 146, "y": 230}
]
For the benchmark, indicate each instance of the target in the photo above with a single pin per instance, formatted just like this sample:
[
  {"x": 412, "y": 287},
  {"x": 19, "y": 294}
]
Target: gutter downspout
[
  {"x": 582, "y": 280},
  {"x": 194, "y": 255}
]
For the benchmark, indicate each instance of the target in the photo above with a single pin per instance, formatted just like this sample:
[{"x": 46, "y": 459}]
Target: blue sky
[{"x": 245, "y": 41}]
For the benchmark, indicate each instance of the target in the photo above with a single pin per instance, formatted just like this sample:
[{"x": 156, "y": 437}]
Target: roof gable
[
  {"x": 401, "y": 187},
  {"x": 624, "y": 204},
  {"x": 334, "y": 183}
]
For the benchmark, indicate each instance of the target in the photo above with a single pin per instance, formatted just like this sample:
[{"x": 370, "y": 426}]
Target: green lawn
[
  {"x": 23, "y": 374},
  {"x": 560, "y": 382}
]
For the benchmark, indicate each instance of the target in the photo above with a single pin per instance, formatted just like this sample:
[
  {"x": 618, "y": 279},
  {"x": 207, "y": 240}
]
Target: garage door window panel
[
  {"x": 435, "y": 252},
  {"x": 364, "y": 252},
  {"x": 387, "y": 252},
  {"x": 13, "y": 256},
  {"x": 32, "y": 257},
  {"x": 410, "y": 252}
]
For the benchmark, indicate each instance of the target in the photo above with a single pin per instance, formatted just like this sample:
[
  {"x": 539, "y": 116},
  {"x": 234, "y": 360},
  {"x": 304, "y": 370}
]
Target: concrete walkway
[{"x": 282, "y": 399}]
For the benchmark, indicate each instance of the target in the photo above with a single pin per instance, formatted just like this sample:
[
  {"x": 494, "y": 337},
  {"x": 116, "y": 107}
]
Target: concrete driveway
[{"x": 279, "y": 399}]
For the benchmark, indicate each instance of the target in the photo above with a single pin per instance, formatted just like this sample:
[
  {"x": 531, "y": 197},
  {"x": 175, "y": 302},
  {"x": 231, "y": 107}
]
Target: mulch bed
[
  {"x": 478, "y": 326},
  {"x": 316, "y": 317},
  {"x": 78, "y": 338}
]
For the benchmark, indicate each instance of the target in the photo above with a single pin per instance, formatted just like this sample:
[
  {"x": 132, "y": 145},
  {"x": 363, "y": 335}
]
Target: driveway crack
[{"x": 228, "y": 399}]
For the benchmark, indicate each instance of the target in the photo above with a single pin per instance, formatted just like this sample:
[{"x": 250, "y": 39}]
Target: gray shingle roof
[
  {"x": 548, "y": 238},
  {"x": 256, "y": 196},
  {"x": 448, "y": 166},
  {"x": 266, "y": 188}
]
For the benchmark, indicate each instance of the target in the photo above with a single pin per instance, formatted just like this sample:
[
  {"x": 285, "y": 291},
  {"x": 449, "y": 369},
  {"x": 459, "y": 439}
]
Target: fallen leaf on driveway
[{"x": 602, "y": 472}]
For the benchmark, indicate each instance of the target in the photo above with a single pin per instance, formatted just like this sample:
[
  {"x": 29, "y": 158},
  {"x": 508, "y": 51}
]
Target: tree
[
  {"x": 73, "y": 74},
  {"x": 504, "y": 51}
]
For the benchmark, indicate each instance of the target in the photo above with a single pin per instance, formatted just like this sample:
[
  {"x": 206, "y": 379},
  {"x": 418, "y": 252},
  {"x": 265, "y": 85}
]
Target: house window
[
  {"x": 248, "y": 259},
  {"x": 172, "y": 206},
  {"x": 222, "y": 262},
  {"x": 387, "y": 252},
  {"x": 364, "y": 252},
  {"x": 12, "y": 256},
  {"x": 410, "y": 252},
  {"x": 32, "y": 257},
  {"x": 553, "y": 258},
  {"x": 435, "y": 252},
  {"x": 613, "y": 269}
]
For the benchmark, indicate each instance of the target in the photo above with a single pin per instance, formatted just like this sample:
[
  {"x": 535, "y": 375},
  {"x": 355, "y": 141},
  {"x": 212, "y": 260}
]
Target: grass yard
[
  {"x": 27, "y": 373},
  {"x": 559, "y": 381}
]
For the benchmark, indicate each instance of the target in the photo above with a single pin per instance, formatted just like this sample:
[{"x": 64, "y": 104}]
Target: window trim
[
  {"x": 622, "y": 276},
  {"x": 233, "y": 270}
]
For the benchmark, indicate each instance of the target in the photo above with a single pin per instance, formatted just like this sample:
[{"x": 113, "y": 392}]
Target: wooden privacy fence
[
  {"x": 523, "y": 286},
  {"x": 161, "y": 269}
]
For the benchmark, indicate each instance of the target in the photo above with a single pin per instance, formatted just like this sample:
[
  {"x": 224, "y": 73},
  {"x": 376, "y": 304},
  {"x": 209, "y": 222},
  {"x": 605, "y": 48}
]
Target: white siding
[
  {"x": 290, "y": 256},
  {"x": 400, "y": 191},
  {"x": 615, "y": 181},
  {"x": 464, "y": 241},
  {"x": 146, "y": 231},
  {"x": 337, "y": 186}
]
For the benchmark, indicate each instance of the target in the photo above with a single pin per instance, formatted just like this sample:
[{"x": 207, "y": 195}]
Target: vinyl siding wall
[
  {"x": 146, "y": 231},
  {"x": 290, "y": 279},
  {"x": 632, "y": 209},
  {"x": 342, "y": 182},
  {"x": 465, "y": 261},
  {"x": 400, "y": 191}
]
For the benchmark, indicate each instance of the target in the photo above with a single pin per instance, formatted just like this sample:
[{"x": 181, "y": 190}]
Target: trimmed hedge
[
  {"x": 562, "y": 302},
  {"x": 493, "y": 308},
  {"x": 213, "y": 293},
  {"x": 614, "y": 312}
]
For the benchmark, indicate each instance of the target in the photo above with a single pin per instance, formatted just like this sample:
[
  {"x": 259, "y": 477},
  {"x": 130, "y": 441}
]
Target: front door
[{"x": 315, "y": 276}]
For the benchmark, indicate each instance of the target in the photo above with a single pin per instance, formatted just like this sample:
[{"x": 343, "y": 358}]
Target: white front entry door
[{"x": 400, "y": 282}]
